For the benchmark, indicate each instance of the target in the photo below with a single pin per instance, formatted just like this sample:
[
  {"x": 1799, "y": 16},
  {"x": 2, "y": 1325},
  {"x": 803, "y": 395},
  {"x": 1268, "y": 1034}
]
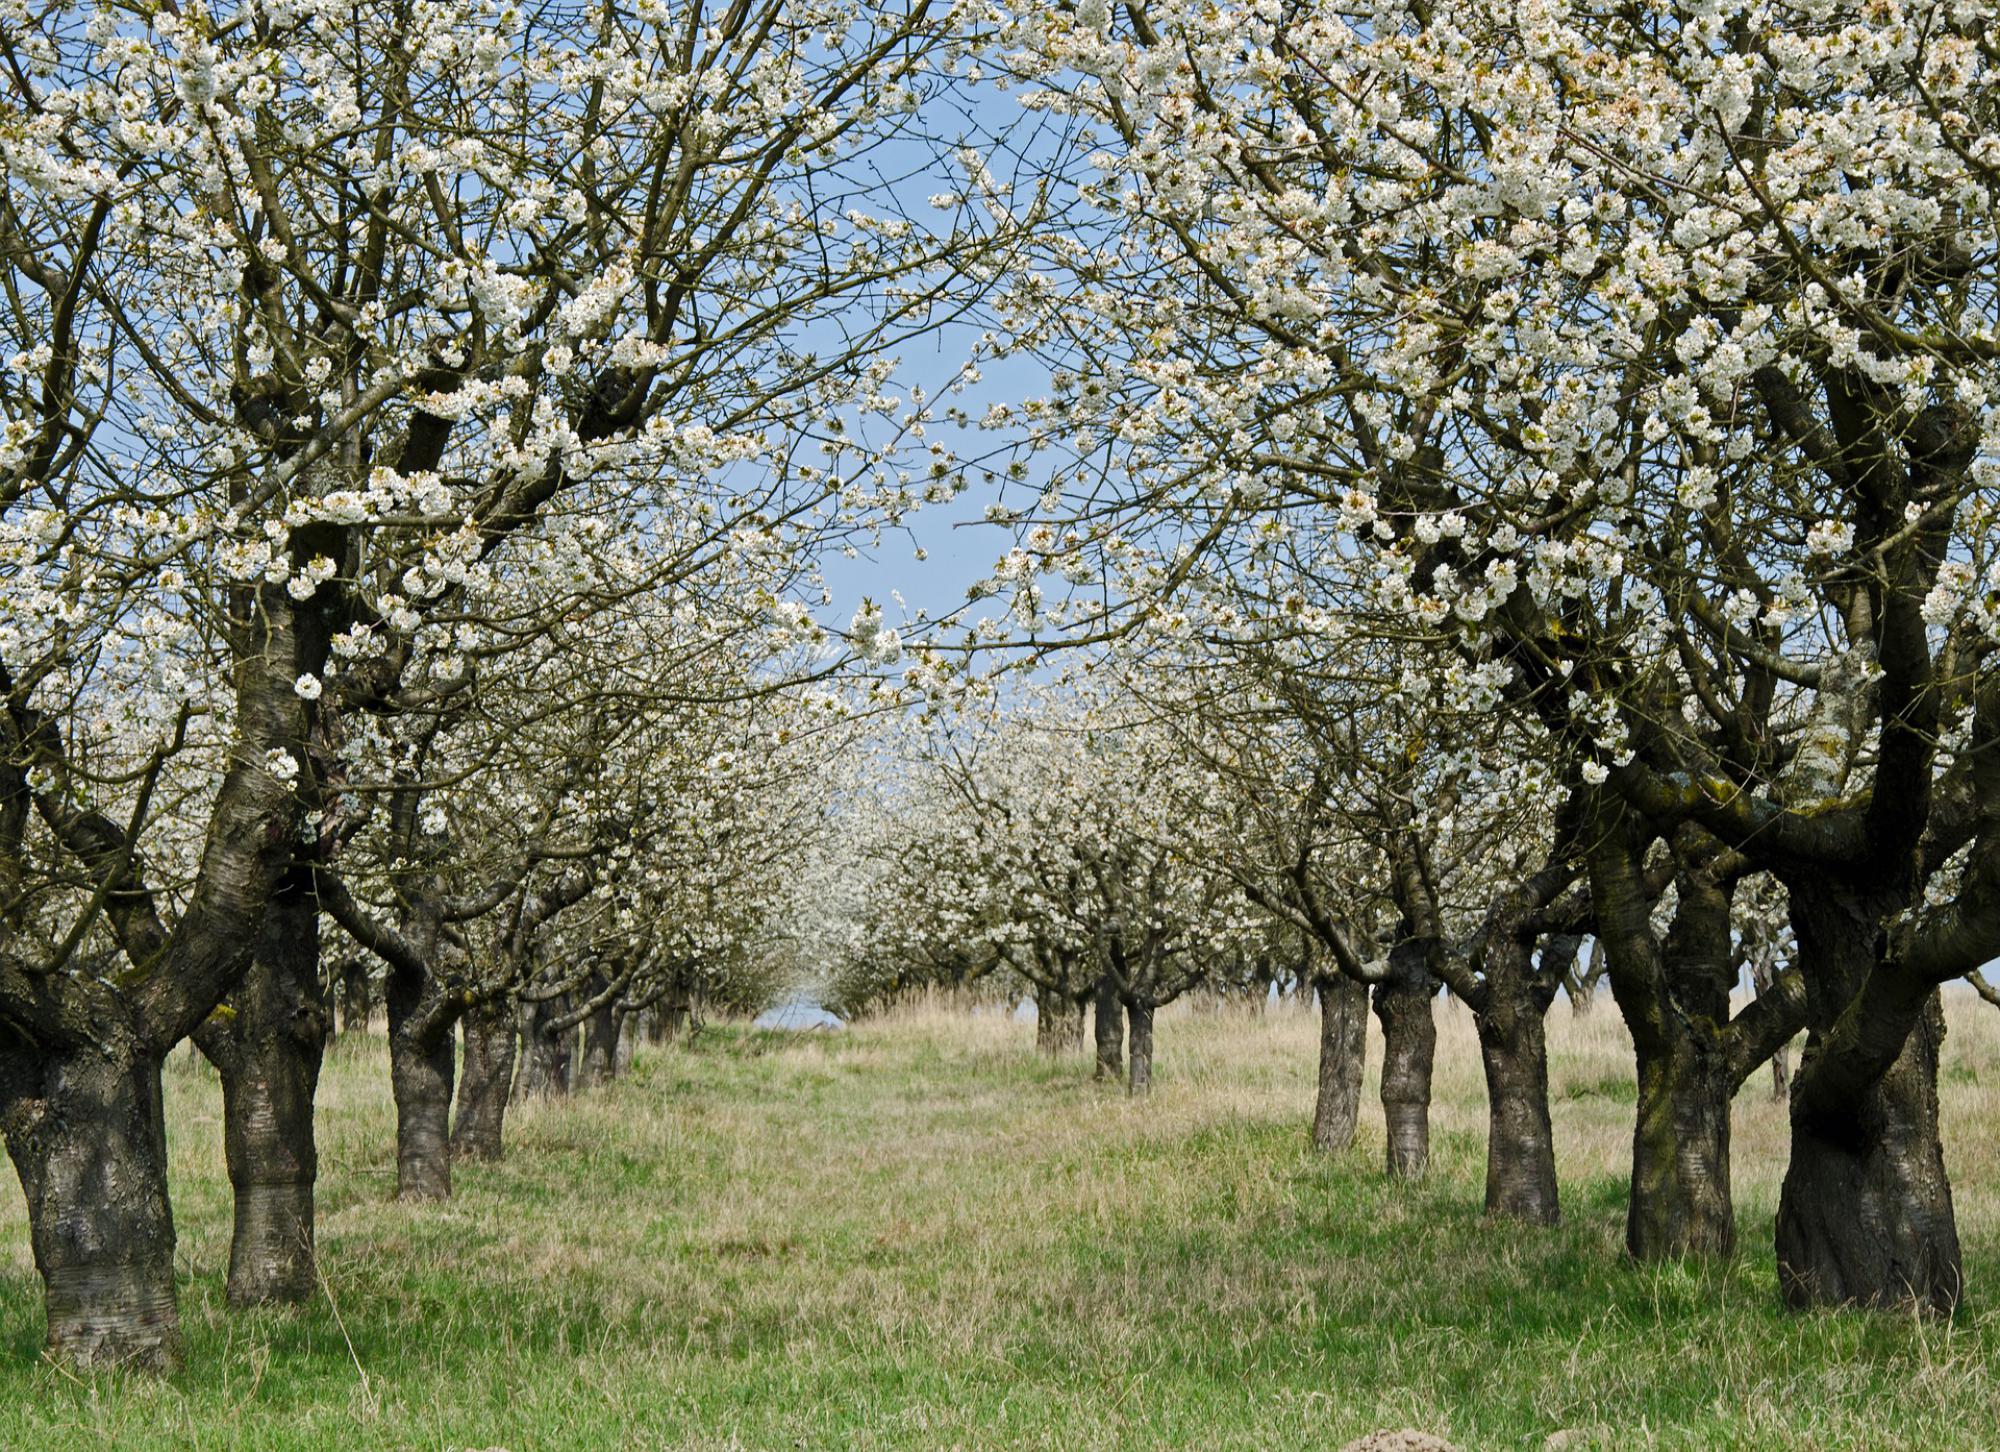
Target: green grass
[{"x": 917, "y": 1235}]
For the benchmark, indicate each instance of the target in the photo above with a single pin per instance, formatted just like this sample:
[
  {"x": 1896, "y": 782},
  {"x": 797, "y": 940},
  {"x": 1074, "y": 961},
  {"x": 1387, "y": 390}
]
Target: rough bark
[
  {"x": 1680, "y": 1200},
  {"x": 677, "y": 1013},
  {"x": 1403, "y": 1006},
  {"x": 1343, "y": 1051},
  {"x": 82, "y": 1046},
  {"x": 420, "y": 1074},
  {"x": 676, "y": 1019},
  {"x": 422, "y": 1062},
  {"x": 1676, "y": 1003},
  {"x": 1781, "y": 1058},
  {"x": 1139, "y": 1050},
  {"x": 1058, "y": 1023},
  {"x": 1108, "y": 1023},
  {"x": 267, "y": 1042},
  {"x": 357, "y": 996},
  {"x": 1865, "y": 1213},
  {"x": 598, "y": 1063},
  {"x": 1674, "y": 995},
  {"x": 1520, "y": 1145},
  {"x": 547, "y": 1053},
  {"x": 621, "y": 1053},
  {"x": 1680, "y": 1203},
  {"x": 1580, "y": 983},
  {"x": 86, "y": 1133},
  {"x": 486, "y": 1079},
  {"x": 1499, "y": 981}
]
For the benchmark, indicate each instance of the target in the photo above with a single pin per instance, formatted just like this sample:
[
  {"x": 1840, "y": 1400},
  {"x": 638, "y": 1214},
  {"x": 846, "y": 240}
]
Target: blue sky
[{"x": 960, "y": 546}]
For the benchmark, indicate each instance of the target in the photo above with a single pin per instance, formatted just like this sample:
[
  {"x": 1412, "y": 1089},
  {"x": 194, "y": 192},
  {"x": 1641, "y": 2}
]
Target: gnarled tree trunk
[
  {"x": 486, "y": 1079},
  {"x": 676, "y": 1017},
  {"x": 86, "y": 1133},
  {"x": 1680, "y": 1202},
  {"x": 1762, "y": 976},
  {"x": 267, "y": 1042},
  {"x": 357, "y": 996},
  {"x": 1403, "y": 1006},
  {"x": 1865, "y": 1214},
  {"x": 661, "y": 1023},
  {"x": 81, "y": 1047},
  {"x": 547, "y": 1053},
  {"x": 420, "y": 1074},
  {"x": 621, "y": 1053},
  {"x": 1058, "y": 1023},
  {"x": 1139, "y": 1048},
  {"x": 1674, "y": 997},
  {"x": 1520, "y": 1145},
  {"x": 1343, "y": 1052},
  {"x": 598, "y": 1062},
  {"x": 1108, "y": 1023},
  {"x": 421, "y": 1067}
]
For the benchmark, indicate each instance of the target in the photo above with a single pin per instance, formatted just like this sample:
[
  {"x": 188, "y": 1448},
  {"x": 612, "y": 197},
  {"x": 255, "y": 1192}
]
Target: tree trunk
[
  {"x": 1409, "y": 1045},
  {"x": 487, "y": 1078},
  {"x": 676, "y": 1015},
  {"x": 1680, "y": 1201},
  {"x": 1761, "y": 977},
  {"x": 1343, "y": 1053},
  {"x": 621, "y": 1053},
  {"x": 81, "y": 1047},
  {"x": 1865, "y": 1214},
  {"x": 1139, "y": 1052},
  {"x": 1580, "y": 983},
  {"x": 598, "y": 1062},
  {"x": 87, "y": 1136},
  {"x": 357, "y": 997},
  {"x": 665, "y": 1021},
  {"x": 546, "y": 1055},
  {"x": 267, "y": 1043},
  {"x": 1058, "y": 1023},
  {"x": 1520, "y": 1146},
  {"x": 1108, "y": 1022},
  {"x": 420, "y": 1073}
]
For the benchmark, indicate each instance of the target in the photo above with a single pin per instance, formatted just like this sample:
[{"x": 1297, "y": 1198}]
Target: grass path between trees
[{"x": 917, "y": 1235}]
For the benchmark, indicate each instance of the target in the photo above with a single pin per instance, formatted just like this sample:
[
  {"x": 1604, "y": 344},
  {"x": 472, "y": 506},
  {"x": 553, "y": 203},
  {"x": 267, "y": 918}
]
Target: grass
[{"x": 917, "y": 1235}]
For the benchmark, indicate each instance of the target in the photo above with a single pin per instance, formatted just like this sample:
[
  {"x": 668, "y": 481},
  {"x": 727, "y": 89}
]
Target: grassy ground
[{"x": 916, "y": 1235}]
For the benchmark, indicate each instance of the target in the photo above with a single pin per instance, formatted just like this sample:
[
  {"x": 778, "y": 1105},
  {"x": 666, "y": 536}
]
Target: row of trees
[
  {"x": 1526, "y": 473},
  {"x": 1116, "y": 850},
  {"x": 421, "y": 424},
  {"x": 1037, "y": 844},
  {"x": 1589, "y": 412}
]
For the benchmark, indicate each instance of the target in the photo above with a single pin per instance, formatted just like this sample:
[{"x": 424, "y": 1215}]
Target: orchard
[{"x": 1469, "y": 505}]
